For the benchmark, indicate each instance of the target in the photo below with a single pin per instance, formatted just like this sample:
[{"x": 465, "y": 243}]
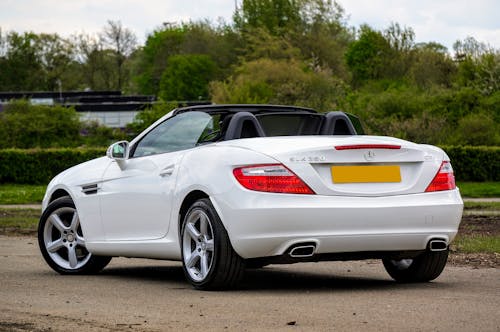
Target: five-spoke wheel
[
  {"x": 61, "y": 240},
  {"x": 208, "y": 258},
  {"x": 198, "y": 245}
]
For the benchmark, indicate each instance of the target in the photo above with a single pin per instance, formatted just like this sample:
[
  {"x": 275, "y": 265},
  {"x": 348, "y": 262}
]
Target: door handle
[{"x": 167, "y": 171}]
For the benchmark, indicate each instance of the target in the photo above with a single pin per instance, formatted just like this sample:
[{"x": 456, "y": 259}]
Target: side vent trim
[{"x": 90, "y": 189}]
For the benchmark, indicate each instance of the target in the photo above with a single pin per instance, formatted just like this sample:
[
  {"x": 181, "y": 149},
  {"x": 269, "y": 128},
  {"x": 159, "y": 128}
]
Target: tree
[
  {"x": 160, "y": 45},
  {"x": 277, "y": 16},
  {"x": 431, "y": 66},
  {"x": 186, "y": 77},
  {"x": 368, "y": 56},
  {"x": 98, "y": 64},
  {"x": 20, "y": 67},
  {"x": 479, "y": 65},
  {"x": 315, "y": 27},
  {"x": 32, "y": 61},
  {"x": 220, "y": 43},
  {"x": 279, "y": 82},
  {"x": 23, "y": 125},
  {"x": 56, "y": 55},
  {"x": 122, "y": 41},
  {"x": 261, "y": 44}
]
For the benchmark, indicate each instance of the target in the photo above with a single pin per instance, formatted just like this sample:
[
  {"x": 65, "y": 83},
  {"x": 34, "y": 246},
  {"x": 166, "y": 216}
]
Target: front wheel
[
  {"x": 208, "y": 258},
  {"x": 425, "y": 267},
  {"x": 62, "y": 243}
]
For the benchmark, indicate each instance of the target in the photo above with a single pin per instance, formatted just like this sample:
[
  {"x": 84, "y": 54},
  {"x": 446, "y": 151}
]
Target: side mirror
[{"x": 118, "y": 150}]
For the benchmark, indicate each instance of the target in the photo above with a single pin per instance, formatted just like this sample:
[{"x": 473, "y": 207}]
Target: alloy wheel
[
  {"x": 63, "y": 239},
  {"x": 198, "y": 245}
]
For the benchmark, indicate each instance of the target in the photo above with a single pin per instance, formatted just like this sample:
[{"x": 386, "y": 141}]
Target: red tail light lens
[
  {"x": 444, "y": 179},
  {"x": 274, "y": 178}
]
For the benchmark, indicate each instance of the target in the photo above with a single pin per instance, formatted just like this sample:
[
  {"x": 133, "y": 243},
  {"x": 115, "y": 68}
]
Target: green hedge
[
  {"x": 471, "y": 163},
  {"x": 39, "y": 166},
  {"x": 475, "y": 163}
]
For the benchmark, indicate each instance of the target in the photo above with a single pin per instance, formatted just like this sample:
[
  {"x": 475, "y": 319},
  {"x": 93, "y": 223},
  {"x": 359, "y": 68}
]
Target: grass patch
[
  {"x": 19, "y": 220},
  {"x": 477, "y": 243},
  {"x": 21, "y": 193},
  {"x": 479, "y": 189},
  {"x": 483, "y": 206}
]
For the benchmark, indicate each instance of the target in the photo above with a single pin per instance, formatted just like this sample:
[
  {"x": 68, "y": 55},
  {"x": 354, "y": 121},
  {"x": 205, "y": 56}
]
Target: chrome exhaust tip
[
  {"x": 438, "y": 245},
  {"x": 301, "y": 251}
]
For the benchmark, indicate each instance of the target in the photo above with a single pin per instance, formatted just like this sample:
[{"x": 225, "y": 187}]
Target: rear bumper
[{"x": 266, "y": 224}]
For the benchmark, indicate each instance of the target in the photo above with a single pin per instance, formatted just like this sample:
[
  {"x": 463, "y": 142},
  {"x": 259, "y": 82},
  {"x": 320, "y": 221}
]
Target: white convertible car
[{"x": 228, "y": 187}]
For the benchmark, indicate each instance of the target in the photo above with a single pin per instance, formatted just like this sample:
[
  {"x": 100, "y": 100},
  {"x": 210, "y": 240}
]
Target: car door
[{"x": 137, "y": 193}]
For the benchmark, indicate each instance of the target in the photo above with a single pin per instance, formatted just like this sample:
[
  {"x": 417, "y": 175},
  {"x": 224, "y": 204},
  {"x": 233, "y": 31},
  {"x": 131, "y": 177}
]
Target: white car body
[{"x": 133, "y": 207}]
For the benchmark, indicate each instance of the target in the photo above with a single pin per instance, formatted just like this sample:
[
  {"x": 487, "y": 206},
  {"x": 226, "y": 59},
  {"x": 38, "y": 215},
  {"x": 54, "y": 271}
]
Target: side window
[{"x": 178, "y": 133}]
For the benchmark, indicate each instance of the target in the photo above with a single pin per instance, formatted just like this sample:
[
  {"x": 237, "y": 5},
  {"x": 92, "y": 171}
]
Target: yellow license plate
[{"x": 366, "y": 174}]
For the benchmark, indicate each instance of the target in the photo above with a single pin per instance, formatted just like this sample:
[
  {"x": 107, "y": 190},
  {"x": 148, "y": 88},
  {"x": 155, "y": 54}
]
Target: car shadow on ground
[{"x": 271, "y": 278}]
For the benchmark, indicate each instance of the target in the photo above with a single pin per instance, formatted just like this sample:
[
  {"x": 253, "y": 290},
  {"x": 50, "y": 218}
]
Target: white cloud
[{"x": 443, "y": 21}]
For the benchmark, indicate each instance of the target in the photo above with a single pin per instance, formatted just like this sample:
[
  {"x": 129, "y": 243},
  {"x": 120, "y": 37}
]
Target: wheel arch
[
  {"x": 58, "y": 194},
  {"x": 190, "y": 198}
]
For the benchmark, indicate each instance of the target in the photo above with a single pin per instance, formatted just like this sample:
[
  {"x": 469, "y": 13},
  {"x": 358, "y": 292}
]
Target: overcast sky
[{"x": 443, "y": 21}]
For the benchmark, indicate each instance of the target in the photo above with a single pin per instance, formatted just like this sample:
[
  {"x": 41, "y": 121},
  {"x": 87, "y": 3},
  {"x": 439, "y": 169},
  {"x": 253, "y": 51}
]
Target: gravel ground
[{"x": 147, "y": 295}]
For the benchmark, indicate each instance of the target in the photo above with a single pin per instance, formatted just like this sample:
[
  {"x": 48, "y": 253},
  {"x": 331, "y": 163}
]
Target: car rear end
[{"x": 359, "y": 196}]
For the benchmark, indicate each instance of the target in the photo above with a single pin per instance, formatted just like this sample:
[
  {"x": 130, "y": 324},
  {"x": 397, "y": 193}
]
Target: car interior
[{"x": 247, "y": 123}]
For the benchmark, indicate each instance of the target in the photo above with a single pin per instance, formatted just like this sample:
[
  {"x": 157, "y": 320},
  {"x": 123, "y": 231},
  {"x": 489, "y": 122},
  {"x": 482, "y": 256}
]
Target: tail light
[
  {"x": 444, "y": 179},
  {"x": 367, "y": 146},
  {"x": 274, "y": 178}
]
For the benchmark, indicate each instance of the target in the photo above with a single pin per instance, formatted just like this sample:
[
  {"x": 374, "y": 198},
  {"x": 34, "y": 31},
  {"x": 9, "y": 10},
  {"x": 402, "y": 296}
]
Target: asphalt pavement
[{"x": 149, "y": 295}]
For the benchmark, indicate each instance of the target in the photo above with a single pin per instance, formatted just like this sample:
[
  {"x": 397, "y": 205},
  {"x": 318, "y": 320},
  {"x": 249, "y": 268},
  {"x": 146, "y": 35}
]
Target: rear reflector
[
  {"x": 444, "y": 179},
  {"x": 274, "y": 178},
  {"x": 367, "y": 146}
]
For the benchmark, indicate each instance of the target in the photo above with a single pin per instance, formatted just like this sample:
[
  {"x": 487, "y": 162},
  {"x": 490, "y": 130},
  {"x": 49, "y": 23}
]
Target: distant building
[{"x": 109, "y": 108}]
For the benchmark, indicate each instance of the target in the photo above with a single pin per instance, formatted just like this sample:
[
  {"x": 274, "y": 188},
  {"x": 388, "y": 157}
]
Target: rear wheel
[
  {"x": 62, "y": 243},
  {"x": 208, "y": 258},
  {"x": 425, "y": 267}
]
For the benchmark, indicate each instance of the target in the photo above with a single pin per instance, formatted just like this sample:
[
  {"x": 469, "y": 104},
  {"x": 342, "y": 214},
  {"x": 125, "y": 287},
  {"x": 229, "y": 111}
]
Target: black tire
[
  {"x": 224, "y": 268},
  {"x": 255, "y": 265},
  {"x": 64, "y": 238},
  {"x": 425, "y": 267}
]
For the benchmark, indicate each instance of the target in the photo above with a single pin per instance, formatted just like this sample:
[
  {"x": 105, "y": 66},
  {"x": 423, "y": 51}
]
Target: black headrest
[
  {"x": 337, "y": 123},
  {"x": 243, "y": 125}
]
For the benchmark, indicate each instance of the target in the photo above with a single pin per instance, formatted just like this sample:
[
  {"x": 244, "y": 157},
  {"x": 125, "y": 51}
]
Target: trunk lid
[{"x": 353, "y": 165}]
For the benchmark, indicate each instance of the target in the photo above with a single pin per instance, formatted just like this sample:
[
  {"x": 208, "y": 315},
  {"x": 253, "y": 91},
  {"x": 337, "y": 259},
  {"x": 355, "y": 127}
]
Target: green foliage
[
  {"x": 434, "y": 116},
  {"x": 260, "y": 44},
  {"x": 279, "y": 82},
  {"x": 220, "y": 43},
  {"x": 431, "y": 66},
  {"x": 476, "y": 129},
  {"x": 20, "y": 67},
  {"x": 281, "y": 51},
  {"x": 369, "y": 55},
  {"x": 94, "y": 134},
  {"x": 37, "y": 62},
  {"x": 276, "y": 16},
  {"x": 23, "y": 125},
  {"x": 186, "y": 77},
  {"x": 475, "y": 163},
  {"x": 39, "y": 166}
]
